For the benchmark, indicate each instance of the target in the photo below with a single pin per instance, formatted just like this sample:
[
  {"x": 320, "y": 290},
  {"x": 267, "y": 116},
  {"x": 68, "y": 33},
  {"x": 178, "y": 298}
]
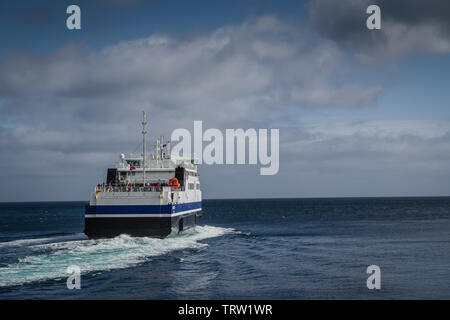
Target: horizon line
[{"x": 261, "y": 198}]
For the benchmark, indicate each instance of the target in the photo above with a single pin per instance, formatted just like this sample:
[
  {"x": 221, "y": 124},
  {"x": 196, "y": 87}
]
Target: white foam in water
[
  {"x": 28, "y": 242},
  {"x": 99, "y": 255}
]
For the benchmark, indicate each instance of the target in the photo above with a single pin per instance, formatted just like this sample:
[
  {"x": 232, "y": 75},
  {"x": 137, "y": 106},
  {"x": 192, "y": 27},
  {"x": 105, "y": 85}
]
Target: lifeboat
[{"x": 173, "y": 182}]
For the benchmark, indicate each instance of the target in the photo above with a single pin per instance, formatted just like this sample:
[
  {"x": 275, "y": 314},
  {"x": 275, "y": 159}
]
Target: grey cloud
[
  {"x": 407, "y": 27},
  {"x": 368, "y": 158},
  {"x": 373, "y": 158},
  {"x": 233, "y": 73},
  {"x": 372, "y": 145},
  {"x": 66, "y": 116}
]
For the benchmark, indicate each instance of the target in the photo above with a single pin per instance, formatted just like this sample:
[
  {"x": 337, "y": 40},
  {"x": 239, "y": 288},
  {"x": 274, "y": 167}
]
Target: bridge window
[{"x": 134, "y": 163}]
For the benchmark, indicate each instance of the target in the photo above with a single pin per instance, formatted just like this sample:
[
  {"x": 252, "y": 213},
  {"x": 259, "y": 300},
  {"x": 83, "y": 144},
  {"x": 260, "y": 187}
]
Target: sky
[{"x": 360, "y": 112}]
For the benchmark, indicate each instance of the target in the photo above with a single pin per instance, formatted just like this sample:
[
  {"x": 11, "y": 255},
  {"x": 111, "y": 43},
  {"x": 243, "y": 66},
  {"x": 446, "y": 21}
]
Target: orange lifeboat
[{"x": 174, "y": 182}]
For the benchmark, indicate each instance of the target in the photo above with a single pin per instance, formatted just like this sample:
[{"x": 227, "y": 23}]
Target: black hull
[{"x": 156, "y": 227}]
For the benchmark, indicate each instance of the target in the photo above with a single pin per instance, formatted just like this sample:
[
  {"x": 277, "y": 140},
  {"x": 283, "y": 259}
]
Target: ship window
[
  {"x": 134, "y": 163},
  {"x": 191, "y": 186},
  {"x": 198, "y": 186}
]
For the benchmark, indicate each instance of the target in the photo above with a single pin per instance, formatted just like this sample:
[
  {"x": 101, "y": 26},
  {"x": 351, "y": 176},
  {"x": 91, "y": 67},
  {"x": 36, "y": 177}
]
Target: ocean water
[{"x": 243, "y": 249}]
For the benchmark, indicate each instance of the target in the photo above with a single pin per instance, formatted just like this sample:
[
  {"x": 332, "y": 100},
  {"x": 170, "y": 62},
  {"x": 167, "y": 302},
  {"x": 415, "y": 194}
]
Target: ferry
[{"x": 146, "y": 196}]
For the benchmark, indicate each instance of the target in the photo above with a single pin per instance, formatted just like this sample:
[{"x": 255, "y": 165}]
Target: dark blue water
[{"x": 255, "y": 249}]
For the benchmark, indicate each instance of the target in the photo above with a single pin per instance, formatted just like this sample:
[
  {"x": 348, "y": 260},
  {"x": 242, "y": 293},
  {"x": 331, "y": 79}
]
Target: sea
[{"x": 243, "y": 249}]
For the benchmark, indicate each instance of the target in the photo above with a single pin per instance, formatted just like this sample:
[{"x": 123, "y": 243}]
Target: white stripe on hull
[{"x": 143, "y": 215}]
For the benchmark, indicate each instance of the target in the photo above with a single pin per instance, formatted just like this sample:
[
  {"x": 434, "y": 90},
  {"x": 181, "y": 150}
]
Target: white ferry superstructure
[{"x": 146, "y": 196}]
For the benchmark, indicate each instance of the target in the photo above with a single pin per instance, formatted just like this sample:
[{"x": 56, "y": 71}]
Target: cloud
[
  {"x": 234, "y": 73},
  {"x": 407, "y": 27},
  {"x": 368, "y": 158},
  {"x": 66, "y": 116},
  {"x": 373, "y": 143},
  {"x": 76, "y": 107},
  {"x": 365, "y": 158}
]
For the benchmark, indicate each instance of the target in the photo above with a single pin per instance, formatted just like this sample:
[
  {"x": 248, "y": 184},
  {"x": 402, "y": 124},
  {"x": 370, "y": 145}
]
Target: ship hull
[{"x": 140, "y": 221}]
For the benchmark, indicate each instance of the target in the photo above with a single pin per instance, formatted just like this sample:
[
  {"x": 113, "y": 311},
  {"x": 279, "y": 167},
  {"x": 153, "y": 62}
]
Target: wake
[{"x": 50, "y": 258}]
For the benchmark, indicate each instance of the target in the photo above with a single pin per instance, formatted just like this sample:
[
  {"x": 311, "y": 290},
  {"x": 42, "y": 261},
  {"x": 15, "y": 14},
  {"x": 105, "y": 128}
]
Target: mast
[
  {"x": 162, "y": 147},
  {"x": 144, "y": 132}
]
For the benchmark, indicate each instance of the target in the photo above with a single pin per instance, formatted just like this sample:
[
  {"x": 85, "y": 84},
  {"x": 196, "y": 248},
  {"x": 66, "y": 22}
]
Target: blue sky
[
  {"x": 106, "y": 22},
  {"x": 361, "y": 113}
]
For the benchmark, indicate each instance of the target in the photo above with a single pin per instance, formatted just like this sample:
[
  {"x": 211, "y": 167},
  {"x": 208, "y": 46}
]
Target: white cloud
[{"x": 75, "y": 110}]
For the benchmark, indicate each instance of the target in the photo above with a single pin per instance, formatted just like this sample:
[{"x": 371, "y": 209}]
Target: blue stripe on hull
[{"x": 145, "y": 209}]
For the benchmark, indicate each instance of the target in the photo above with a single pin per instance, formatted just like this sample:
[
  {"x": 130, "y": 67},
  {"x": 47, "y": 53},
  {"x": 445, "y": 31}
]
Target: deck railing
[{"x": 128, "y": 188}]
